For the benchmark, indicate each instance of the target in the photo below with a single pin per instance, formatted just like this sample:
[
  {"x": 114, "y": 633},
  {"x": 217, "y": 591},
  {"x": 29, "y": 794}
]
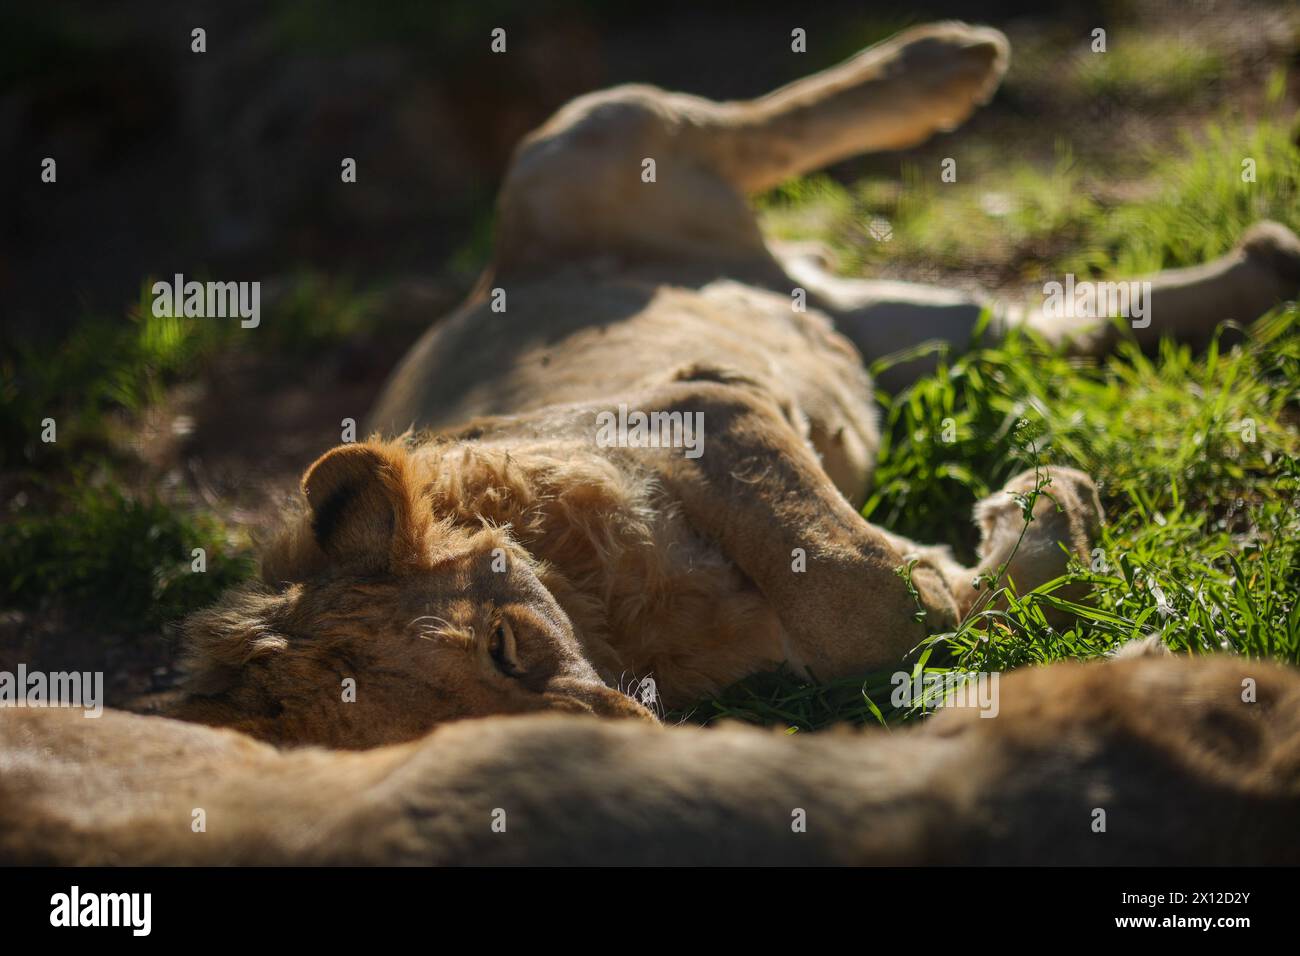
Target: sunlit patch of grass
[
  {"x": 1017, "y": 213},
  {"x": 1198, "y": 462},
  {"x": 1209, "y": 194},
  {"x": 103, "y": 365},
  {"x": 1141, "y": 68},
  {"x": 926, "y": 222},
  {"x": 1025, "y": 221},
  {"x": 1197, "y": 457},
  {"x": 124, "y": 364}
]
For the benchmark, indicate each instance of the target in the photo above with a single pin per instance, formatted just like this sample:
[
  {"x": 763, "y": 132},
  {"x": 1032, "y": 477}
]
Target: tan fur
[
  {"x": 659, "y": 297},
  {"x": 401, "y": 604},
  {"x": 1186, "y": 771}
]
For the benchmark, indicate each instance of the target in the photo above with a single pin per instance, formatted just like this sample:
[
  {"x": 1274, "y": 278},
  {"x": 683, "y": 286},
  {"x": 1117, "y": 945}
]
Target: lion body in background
[
  {"x": 681, "y": 566},
  {"x": 678, "y": 570}
]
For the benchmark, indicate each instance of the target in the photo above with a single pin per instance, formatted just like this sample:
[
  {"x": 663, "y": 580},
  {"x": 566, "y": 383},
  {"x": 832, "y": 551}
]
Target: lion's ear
[{"x": 360, "y": 504}]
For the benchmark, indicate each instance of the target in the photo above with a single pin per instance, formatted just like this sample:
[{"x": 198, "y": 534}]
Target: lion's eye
[{"x": 502, "y": 650}]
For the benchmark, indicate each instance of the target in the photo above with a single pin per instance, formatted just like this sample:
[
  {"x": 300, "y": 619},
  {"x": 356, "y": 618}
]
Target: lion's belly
[
  {"x": 561, "y": 344},
  {"x": 561, "y": 341}
]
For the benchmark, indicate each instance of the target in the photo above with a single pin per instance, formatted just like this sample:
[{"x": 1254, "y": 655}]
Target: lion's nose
[
  {"x": 621, "y": 705},
  {"x": 602, "y": 701}
]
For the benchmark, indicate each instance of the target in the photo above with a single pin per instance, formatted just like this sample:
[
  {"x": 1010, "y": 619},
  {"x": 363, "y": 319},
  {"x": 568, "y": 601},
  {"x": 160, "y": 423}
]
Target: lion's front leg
[
  {"x": 1029, "y": 531},
  {"x": 832, "y": 579}
]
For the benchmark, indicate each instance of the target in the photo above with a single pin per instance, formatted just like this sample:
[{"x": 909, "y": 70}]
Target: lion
[
  {"x": 1141, "y": 761},
  {"x": 629, "y": 461}
]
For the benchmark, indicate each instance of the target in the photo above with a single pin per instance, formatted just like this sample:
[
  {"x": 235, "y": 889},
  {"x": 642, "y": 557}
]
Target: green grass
[
  {"x": 116, "y": 559},
  {"x": 1202, "y": 205},
  {"x": 104, "y": 366},
  {"x": 1140, "y": 68},
  {"x": 79, "y": 532},
  {"x": 1148, "y": 70},
  {"x": 1142, "y": 74},
  {"x": 110, "y": 367},
  {"x": 76, "y": 534},
  {"x": 1024, "y": 221},
  {"x": 1203, "y": 536},
  {"x": 1201, "y": 540},
  {"x": 1195, "y": 511},
  {"x": 1015, "y": 214},
  {"x": 314, "y": 313}
]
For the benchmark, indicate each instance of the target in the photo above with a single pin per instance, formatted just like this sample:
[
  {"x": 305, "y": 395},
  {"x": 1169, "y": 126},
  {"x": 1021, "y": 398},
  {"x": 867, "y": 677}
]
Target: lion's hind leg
[{"x": 644, "y": 174}]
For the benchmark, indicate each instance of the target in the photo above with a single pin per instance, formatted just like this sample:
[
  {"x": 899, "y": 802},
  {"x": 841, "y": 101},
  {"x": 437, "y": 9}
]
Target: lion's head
[{"x": 374, "y": 621}]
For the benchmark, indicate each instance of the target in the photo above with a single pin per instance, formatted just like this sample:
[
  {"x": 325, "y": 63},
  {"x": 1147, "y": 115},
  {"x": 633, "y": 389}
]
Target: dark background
[{"x": 227, "y": 162}]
